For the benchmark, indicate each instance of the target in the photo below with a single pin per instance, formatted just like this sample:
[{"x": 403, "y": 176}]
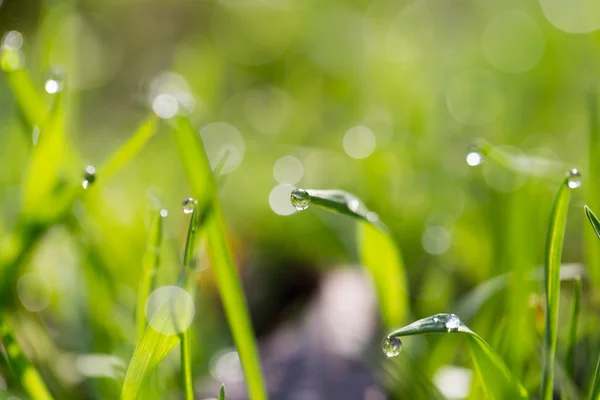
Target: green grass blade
[
  {"x": 493, "y": 371},
  {"x": 376, "y": 247},
  {"x": 129, "y": 149},
  {"x": 149, "y": 270},
  {"x": 572, "y": 337},
  {"x": 595, "y": 392},
  {"x": 222, "y": 393},
  {"x": 382, "y": 258},
  {"x": 592, "y": 250},
  {"x": 594, "y": 221},
  {"x": 186, "y": 365},
  {"x": 27, "y": 96},
  {"x": 554, "y": 245},
  {"x": 28, "y": 375},
  {"x": 195, "y": 162},
  {"x": 150, "y": 351}
]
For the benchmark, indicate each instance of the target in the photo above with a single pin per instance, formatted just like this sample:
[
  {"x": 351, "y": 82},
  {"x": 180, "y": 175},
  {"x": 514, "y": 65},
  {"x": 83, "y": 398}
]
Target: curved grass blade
[
  {"x": 495, "y": 375},
  {"x": 27, "y": 96},
  {"x": 572, "y": 337},
  {"x": 376, "y": 247},
  {"x": 195, "y": 162},
  {"x": 222, "y": 393},
  {"x": 595, "y": 392},
  {"x": 554, "y": 245},
  {"x": 592, "y": 250},
  {"x": 129, "y": 149},
  {"x": 23, "y": 369},
  {"x": 594, "y": 221},
  {"x": 149, "y": 270},
  {"x": 150, "y": 351}
]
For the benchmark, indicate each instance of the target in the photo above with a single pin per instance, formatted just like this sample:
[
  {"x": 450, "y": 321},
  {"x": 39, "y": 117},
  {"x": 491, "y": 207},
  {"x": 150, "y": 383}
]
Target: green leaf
[
  {"x": 150, "y": 351},
  {"x": 554, "y": 245},
  {"x": 593, "y": 220},
  {"x": 595, "y": 392},
  {"x": 21, "y": 366},
  {"x": 572, "y": 337},
  {"x": 150, "y": 265},
  {"x": 494, "y": 373},
  {"x": 592, "y": 250},
  {"x": 200, "y": 177},
  {"x": 27, "y": 96},
  {"x": 129, "y": 149},
  {"x": 222, "y": 393},
  {"x": 376, "y": 247}
]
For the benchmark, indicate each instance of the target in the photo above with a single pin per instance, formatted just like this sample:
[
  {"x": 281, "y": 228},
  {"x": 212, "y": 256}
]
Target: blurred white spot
[
  {"x": 226, "y": 367},
  {"x": 288, "y": 169},
  {"x": 359, "y": 142},
  {"x": 100, "y": 365},
  {"x": 34, "y": 292},
  {"x": 64, "y": 367},
  {"x": 411, "y": 33},
  {"x": 436, "y": 240},
  {"x": 454, "y": 382},
  {"x": 35, "y": 135},
  {"x": 165, "y": 106},
  {"x": 12, "y": 40},
  {"x": 11, "y": 60},
  {"x": 474, "y": 158},
  {"x": 52, "y": 86},
  {"x": 474, "y": 98},
  {"x": 347, "y": 303},
  {"x": 169, "y": 310},
  {"x": 174, "y": 92},
  {"x": 279, "y": 200},
  {"x": 573, "y": 16},
  {"x": 164, "y": 213},
  {"x": 512, "y": 42},
  {"x": 219, "y": 139}
]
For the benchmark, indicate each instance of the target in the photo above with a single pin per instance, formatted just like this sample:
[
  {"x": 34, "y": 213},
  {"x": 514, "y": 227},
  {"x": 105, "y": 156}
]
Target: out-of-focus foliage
[{"x": 378, "y": 98}]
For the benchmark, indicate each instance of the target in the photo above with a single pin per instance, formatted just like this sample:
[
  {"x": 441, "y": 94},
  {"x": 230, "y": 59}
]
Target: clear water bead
[
  {"x": 300, "y": 199},
  {"x": 574, "y": 178},
  {"x": 189, "y": 205},
  {"x": 453, "y": 323},
  {"x": 391, "y": 346},
  {"x": 436, "y": 319},
  {"x": 89, "y": 176},
  {"x": 474, "y": 157},
  {"x": 55, "y": 81}
]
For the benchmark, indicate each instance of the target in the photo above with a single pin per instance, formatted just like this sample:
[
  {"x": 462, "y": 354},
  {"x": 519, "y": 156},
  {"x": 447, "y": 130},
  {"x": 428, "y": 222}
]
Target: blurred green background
[{"x": 380, "y": 98}]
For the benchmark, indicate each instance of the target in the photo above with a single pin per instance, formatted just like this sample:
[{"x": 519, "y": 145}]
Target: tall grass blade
[
  {"x": 594, "y": 221},
  {"x": 554, "y": 245},
  {"x": 23, "y": 369},
  {"x": 495, "y": 375},
  {"x": 150, "y": 266},
  {"x": 376, "y": 247},
  {"x": 150, "y": 351},
  {"x": 222, "y": 393},
  {"x": 195, "y": 161},
  {"x": 592, "y": 250},
  {"x": 28, "y": 96},
  {"x": 129, "y": 149},
  {"x": 572, "y": 337},
  {"x": 595, "y": 392}
]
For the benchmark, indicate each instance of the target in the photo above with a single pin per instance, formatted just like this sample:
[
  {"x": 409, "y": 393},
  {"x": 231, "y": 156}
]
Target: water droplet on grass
[
  {"x": 453, "y": 323},
  {"x": 89, "y": 176},
  {"x": 436, "y": 319},
  {"x": 391, "y": 346},
  {"x": 574, "y": 178},
  {"x": 164, "y": 213},
  {"x": 300, "y": 199},
  {"x": 474, "y": 156},
  {"x": 189, "y": 205}
]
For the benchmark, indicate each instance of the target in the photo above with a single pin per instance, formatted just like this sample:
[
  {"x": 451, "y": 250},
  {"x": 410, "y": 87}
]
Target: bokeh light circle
[
  {"x": 34, "y": 291},
  {"x": 223, "y": 140},
  {"x": 474, "y": 97},
  {"x": 288, "y": 169},
  {"x": 359, "y": 142},
  {"x": 169, "y": 310},
  {"x": 279, "y": 200},
  {"x": 573, "y": 16}
]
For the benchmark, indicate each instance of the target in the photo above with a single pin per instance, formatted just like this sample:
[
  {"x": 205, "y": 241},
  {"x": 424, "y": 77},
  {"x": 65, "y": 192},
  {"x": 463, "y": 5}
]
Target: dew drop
[
  {"x": 89, "y": 176},
  {"x": 574, "y": 178},
  {"x": 164, "y": 213},
  {"x": 300, "y": 199},
  {"x": 474, "y": 156},
  {"x": 391, "y": 346},
  {"x": 453, "y": 323},
  {"x": 189, "y": 205},
  {"x": 55, "y": 81},
  {"x": 436, "y": 319}
]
